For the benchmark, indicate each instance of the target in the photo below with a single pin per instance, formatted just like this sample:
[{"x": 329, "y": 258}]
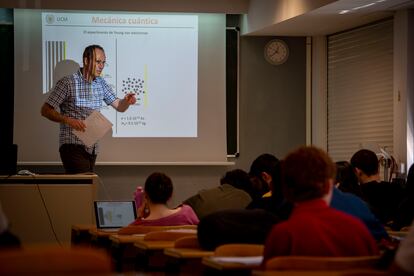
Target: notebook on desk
[{"x": 111, "y": 215}]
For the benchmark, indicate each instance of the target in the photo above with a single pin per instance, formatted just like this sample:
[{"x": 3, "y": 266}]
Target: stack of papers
[
  {"x": 250, "y": 260},
  {"x": 97, "y": 125}
]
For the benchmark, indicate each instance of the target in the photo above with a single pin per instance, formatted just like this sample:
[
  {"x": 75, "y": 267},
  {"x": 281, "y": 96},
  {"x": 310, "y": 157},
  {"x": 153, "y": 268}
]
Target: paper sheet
[
  {"x": 97, "y": 125},
  {"x": 183, "y": 230},
  {"x": 250, "y": 260}
]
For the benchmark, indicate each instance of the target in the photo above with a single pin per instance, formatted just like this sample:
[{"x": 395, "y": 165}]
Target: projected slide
[{"x": 152, "y": 55}]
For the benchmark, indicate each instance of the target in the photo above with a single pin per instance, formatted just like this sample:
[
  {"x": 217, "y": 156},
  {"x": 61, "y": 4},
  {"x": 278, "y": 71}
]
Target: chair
[
  {"x": 321, "y": 263},
  {"x": 170, "y": 234},
  {"x": 187, "y": 247},
  {"x": 124, "y": 250},
  {"x": 46, "y": 260},
  {"x": 80, "y": 234},
  {"x": 187, "y": 242},
  {"x": 151, "y": 248},
  {"x": 185, "y": 257},
  {"x": 397, "y": 234},
  {"x": 144, "y": 229},
  {"x": 365, "y": 273},
  {"x": 235, "y": 259},
  {"x": 239, "y": 250}
]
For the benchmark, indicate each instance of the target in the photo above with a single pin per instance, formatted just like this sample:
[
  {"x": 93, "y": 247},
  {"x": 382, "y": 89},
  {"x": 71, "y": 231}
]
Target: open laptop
[{"x": 111, "y": 215}]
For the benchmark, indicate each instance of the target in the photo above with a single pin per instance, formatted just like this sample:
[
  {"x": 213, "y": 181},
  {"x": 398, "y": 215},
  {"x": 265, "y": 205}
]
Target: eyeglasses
[{"x": 101, "y": 62}]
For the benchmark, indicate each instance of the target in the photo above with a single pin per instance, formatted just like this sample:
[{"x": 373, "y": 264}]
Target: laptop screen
[{"x": 114, "y": 214}]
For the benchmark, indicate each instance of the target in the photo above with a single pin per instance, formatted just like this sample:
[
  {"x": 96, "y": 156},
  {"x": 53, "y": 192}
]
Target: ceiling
[
  {"x": 327, "y": 19},
  {"x": 324, "y": 20}
]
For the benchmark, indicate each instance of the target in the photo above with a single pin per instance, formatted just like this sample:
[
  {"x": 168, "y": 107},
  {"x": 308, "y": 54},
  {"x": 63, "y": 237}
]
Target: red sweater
[{"x": 315, "y": 229}]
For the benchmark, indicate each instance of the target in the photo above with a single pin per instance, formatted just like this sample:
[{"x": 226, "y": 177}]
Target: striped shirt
[{"x": 77, "y": 98}]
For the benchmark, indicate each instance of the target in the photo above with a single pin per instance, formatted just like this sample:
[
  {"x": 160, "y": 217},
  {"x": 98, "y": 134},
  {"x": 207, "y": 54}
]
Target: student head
[
  {"x": 307, "y": 173},
  {"x": 346, "y": 179},
  {"x": 158, "y": 188},
  {"x": 265, "y": 173},
  {"x": 365, "y": 163},
  {"x": 238, "y": 179},
  {"x": 94, "y": 60}
]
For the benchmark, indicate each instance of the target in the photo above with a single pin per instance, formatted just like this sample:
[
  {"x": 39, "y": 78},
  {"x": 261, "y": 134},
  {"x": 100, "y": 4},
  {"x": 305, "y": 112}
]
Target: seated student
[
  {"x": 314, "y": 228},
  {"x": 252, "y": 225},
  {"x": 382, "y": 197},
  {"x": 405, "y": 210},
  {"x": 265, "y": 171},
  {"x": 346, "y": 179},
  {"x": 154, "y": 211},
  {"x": 355, "y": 206},
  {"x": 403, "y": 262},
  {"x": 352, "y": 204},
  {"x": 233, "y": 193}
]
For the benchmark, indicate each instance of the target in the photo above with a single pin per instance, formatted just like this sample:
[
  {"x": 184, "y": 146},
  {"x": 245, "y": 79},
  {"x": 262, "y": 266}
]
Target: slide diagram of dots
[{"x": 134, "y": 85}]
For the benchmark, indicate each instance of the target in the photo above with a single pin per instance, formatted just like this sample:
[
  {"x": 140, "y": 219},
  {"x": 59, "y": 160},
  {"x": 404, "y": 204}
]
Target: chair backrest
[
  {"x": 239, "y": 250},
  {"x": 170, "y": 234},
  {"x": 144, "y": 229},
  {"x": 43, "y": 260},
  {"x": 397, "y": 234},
  {"x": 364, "y": 273},
  {"x": 187, "y": 242},
  {"x": 320, "y": 263}
]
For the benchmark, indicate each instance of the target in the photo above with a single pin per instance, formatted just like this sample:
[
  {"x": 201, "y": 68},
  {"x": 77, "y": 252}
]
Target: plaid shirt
[{"x": 77, "y": 98}]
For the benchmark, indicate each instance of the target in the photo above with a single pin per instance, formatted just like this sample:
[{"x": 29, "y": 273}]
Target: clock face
[{"x": 276, "y": 52}]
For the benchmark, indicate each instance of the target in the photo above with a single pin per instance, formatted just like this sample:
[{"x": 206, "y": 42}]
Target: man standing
[{"x": 76, "y": 97}]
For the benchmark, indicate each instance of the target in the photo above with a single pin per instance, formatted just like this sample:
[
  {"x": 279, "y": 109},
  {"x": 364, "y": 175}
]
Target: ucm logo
[{"x": 50, "y": 19}]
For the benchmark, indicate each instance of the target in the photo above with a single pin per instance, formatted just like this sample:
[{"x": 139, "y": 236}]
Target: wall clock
[{"x": 276, "y": 52}]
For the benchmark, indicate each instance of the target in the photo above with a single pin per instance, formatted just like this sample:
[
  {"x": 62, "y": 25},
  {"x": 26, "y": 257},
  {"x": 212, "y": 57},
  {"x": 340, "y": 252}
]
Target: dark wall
[
  {"x": 6, "y": 84},
  {"x": 272, "y": 99}
]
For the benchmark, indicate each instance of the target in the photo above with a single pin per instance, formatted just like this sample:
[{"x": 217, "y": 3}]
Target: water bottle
[{"x": 138, "y": 194}]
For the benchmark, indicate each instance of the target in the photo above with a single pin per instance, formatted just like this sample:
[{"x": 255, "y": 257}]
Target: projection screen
[{"x": 174, "y": 63}]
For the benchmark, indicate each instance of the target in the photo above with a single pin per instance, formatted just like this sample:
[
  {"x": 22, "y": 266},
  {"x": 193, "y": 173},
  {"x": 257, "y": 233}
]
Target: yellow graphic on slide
[{"x": 109, "y": 219}]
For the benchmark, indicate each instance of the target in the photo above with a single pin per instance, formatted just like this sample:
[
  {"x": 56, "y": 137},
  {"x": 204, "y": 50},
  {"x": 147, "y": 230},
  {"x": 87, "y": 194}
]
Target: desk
[
  {"x": 100, "y": 238},
  {"x": 150, "y": 255},
  {"x": 213, "y": 265},
  {"x": 80, "y": 234},
  {"x": 126, "y": 239},
  {"x": 187, "y": 253},
  {"x": 123, "y": 250},
  {"x": 316, "y": 272},
  {"x": 36, "y": 205},
  {"x": 185, "y": 261},
  {"x": 153, "y": 245}
]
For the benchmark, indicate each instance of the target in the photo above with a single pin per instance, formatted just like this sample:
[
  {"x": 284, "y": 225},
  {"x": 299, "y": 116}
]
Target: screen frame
[
  {"x": 168, "y": 151},
  {"x": 96, "y": 206}
]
